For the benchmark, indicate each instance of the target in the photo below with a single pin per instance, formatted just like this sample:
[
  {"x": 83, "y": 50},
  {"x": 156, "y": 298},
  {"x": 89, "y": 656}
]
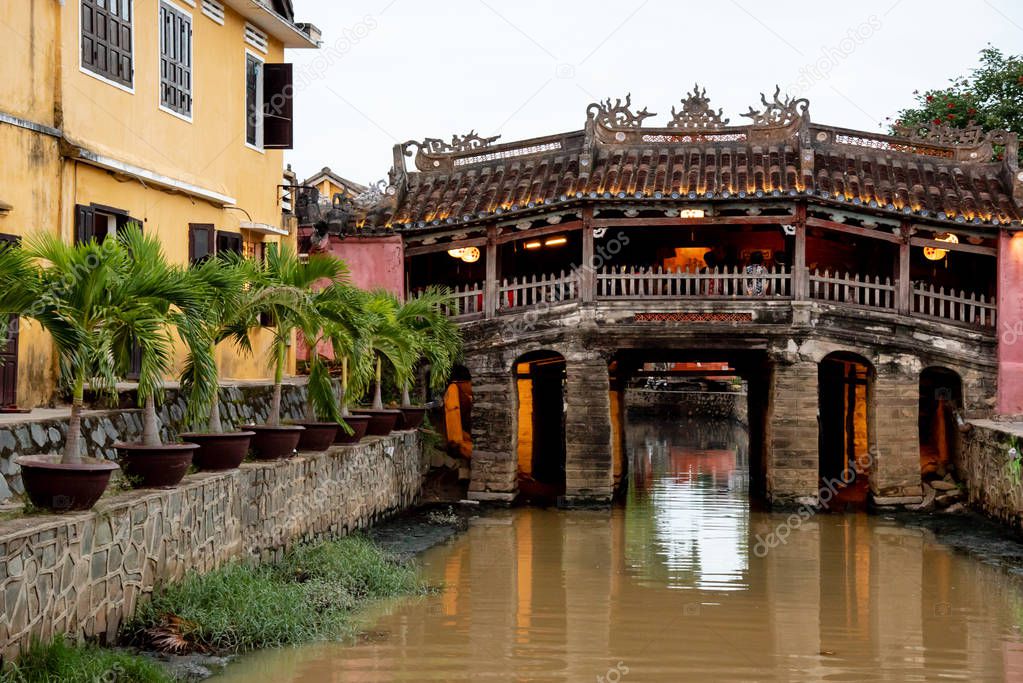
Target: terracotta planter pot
[
  {"x": 274, "y": 443},
  {"x": 358, "y": 423},
  {"x": 219, "y": 452},
  {"x": 153, "y": 467},
  {"x": 53, "y": 486},
  {"x": 318, "y": 436},
  {"x": 381, "y": 422},
  {"x": 411, "y": 417}
]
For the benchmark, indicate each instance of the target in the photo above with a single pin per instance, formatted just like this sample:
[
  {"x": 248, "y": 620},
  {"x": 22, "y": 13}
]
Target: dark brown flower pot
[
  {"x": 51, "y": 485},
  {"x": 359, "y": 424},
  {"x": 274, "y": 443},
  {"x": 411, "y": 417},
  {"x": 153, "y": 467},
  {"x": 318, "y": 436},
  {"x": 381, "y": 422},
  {"x": 219, "y": 452}
]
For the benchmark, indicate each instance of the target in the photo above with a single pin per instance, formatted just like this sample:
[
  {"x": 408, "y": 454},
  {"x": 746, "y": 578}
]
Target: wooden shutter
[
  {"x": 200, "y": 241},
  {"x": 278, "y": 106},
  {"x": 229, "y": 241},
  {"x": 85, "y": 223}
]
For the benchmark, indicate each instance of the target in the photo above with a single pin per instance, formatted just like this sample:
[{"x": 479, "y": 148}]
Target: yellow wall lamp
[
  {"x": 936, "y": 253},
  {"x": 550, "y": 242},
  {"x": 467, "y": 254}
]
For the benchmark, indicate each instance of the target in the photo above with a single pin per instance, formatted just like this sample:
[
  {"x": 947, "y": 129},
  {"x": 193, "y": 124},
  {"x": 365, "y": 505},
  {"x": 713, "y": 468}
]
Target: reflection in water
[{"x": 669, "y": 588}]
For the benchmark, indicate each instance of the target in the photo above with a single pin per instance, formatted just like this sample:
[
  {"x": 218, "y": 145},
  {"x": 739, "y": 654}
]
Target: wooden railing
[
  {"x": 534, "y": 290},
  {"x": 712, "y": 283},
  {"x": 624, "y": 284},
  {"x": 853, "y": 290},
  {"x": 955, "y": 306}
]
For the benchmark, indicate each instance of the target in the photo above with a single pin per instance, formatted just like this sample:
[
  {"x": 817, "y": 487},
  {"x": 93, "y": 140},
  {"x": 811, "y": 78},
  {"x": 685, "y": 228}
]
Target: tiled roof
[{"x": 936, "y": 172}]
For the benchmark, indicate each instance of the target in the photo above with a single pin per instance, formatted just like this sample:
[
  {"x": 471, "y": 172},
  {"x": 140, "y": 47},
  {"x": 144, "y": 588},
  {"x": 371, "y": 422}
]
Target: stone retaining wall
[
  {"x": 82, "y": 574},
  {"x": 240, "y": 404},
  {"x": 982, "y": 465}
]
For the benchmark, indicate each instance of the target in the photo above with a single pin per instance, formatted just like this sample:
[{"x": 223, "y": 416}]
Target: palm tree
[
  {"x": 437, "y": 339},
  {"x": 150, "y": 297},
  {"x": 387, "y": 339},
  {"x": 288, "y": 283}
]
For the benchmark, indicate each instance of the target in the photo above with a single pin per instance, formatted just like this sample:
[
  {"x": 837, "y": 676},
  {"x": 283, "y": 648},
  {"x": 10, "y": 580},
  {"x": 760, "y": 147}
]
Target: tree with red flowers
[{"x": 992, "y": 97}]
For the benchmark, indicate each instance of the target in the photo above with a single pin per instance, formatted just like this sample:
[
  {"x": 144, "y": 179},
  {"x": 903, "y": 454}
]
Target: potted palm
[
  {"x": 230, "y": 311},
  {"x": 437, "y": 341},
  {"x": 386, "y": 339},
  {"x": 284, "y": 273},
  {"x": 350, "y": 346},
  {"x": 88, "y": 298},
  {"x": 163, "y": 296}
]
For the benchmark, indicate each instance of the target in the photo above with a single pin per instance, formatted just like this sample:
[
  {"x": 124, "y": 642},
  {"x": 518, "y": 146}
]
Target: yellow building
[{"x": 171, "y": 113}]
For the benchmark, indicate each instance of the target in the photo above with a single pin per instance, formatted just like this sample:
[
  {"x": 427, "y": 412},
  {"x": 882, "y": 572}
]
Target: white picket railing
[
  {"x": 468, "y": 300},
  {"x": 533, "y": 290},
  {"x": 713, "y": 283},
  {"x": 955, "y": 306},
  {"x": 853, "y": 290}
]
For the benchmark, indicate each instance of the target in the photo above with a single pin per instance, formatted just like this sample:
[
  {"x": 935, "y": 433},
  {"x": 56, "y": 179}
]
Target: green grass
[
  {"x": 309, "y": 596},
  {"x": 66, "y": 663}
]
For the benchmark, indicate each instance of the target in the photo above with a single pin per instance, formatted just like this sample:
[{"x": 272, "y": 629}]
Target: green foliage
[
  {"x": 436, "y": 339},
  {"x": 1014, "y": 465},
  {"x": 60, "y": 661},
  {"x": 309, "y": 596},
  {"x": 990, "y": 96}
]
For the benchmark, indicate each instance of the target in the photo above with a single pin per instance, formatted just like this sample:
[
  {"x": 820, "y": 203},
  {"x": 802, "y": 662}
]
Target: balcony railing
[
  {"x": 777, "y": 283},
  {"x": 853, "y": 290},
  {"x": 955, "y": 306},
  {"x": 533, "y": 290},
  {"x": 710, "y": 283}
]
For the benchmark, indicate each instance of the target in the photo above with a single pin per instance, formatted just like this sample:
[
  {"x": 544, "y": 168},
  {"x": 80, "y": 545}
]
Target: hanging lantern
[
  {"x": 935, "y": 253},
  {"x": 470, "y": 254},
  {"x": 456, "y": 253}
]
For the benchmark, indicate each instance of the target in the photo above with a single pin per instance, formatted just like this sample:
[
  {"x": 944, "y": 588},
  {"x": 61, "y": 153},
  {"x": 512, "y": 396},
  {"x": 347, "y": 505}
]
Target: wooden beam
[
  {"x": 490, "y": 288},
  {"x": 444, "y": 246},
  {"x": 517, "y": 235},
  {"x": 687, "y": 222},
  {"x": 967, "y": 248},
  {"x": 800, "y": 273},
  {"x": 587, "y": 276},
  {"x": 853, "y": 230},
  {"x": 904, "y": 302}
]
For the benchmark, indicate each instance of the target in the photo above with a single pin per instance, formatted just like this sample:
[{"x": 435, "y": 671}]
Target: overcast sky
[{"x": 396, "y": 70}]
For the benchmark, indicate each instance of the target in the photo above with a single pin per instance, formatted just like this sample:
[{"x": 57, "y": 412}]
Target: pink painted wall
[
  {"x": 373, "y": 262},
  {"x": 1010, "y": 323}
]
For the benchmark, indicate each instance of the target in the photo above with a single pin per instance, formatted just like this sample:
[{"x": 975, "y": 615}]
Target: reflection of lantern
[
  {"x": 456, "y": 253},
  {"x": 936, "y": 254},
  {"x": 470, "y": 254}
]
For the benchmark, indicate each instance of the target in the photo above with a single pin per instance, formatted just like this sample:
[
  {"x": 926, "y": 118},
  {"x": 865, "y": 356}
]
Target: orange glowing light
[
  {"x": 556, "y": 241},
  {"x": 532, "y": 245},
  {"x": 936, "y": 254}
]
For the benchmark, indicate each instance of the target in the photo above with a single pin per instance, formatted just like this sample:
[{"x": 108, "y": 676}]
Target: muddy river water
[{"x": 678, "y": 584}]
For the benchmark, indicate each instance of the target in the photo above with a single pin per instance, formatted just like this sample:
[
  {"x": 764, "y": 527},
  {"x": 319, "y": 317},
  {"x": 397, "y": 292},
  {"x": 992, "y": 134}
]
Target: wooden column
[
  {"x": 905, "y": 287},
  {"x": 587, "y": 275},
  {"x": 800, "y": 273},
  {"x": 490, "y": 289}
]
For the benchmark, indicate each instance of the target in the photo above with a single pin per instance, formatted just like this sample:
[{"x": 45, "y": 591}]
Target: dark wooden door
[{"x": 8, "y": 347}]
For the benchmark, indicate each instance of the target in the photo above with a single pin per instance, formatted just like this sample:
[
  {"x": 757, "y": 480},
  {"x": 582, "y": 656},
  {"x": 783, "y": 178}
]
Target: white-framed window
[
  {"x": 254, "y": 101},
  {"x": 175, "y": 60},
  {"x": 106, "y": 41},
  {"x": 256, "y": 38},
  {"x": 214, "y": 10}
]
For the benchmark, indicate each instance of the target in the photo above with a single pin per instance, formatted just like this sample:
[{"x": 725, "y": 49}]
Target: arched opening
[
  {"x": 540, "y": 389},
  {"x": 457, "y": 419},
  {"x": 845, "y": 389},
  {"x": 941, "y": 401}
]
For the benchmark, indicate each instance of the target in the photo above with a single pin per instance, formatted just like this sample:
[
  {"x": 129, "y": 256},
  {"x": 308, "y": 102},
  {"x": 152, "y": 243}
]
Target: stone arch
[
  {"x": 941, "y": 405},
  {"x": 457, "y": 412},
  {"x": 846, "y": 424},
  {"x": 539, "y": 436}
]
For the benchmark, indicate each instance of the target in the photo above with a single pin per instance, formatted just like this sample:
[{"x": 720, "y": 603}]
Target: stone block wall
[
  {"x": 716, "y": 405},
  {"x": 588, "y": 459},
  {"x": 982, "y": 465},
  {"x": 791, "y": 439},
  {"x": 240, "y": 404},
  {"x": 83, "y": 573}
]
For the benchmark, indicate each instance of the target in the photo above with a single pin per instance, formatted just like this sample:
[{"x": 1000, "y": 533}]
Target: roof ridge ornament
[
  {"x": 617, "y": 115},
  {"x": 696, "y": 112},
  {"x": 459, "y": 143},
  {"x": 779, "y": 112},
  {"x": 947, "y": 134}
]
